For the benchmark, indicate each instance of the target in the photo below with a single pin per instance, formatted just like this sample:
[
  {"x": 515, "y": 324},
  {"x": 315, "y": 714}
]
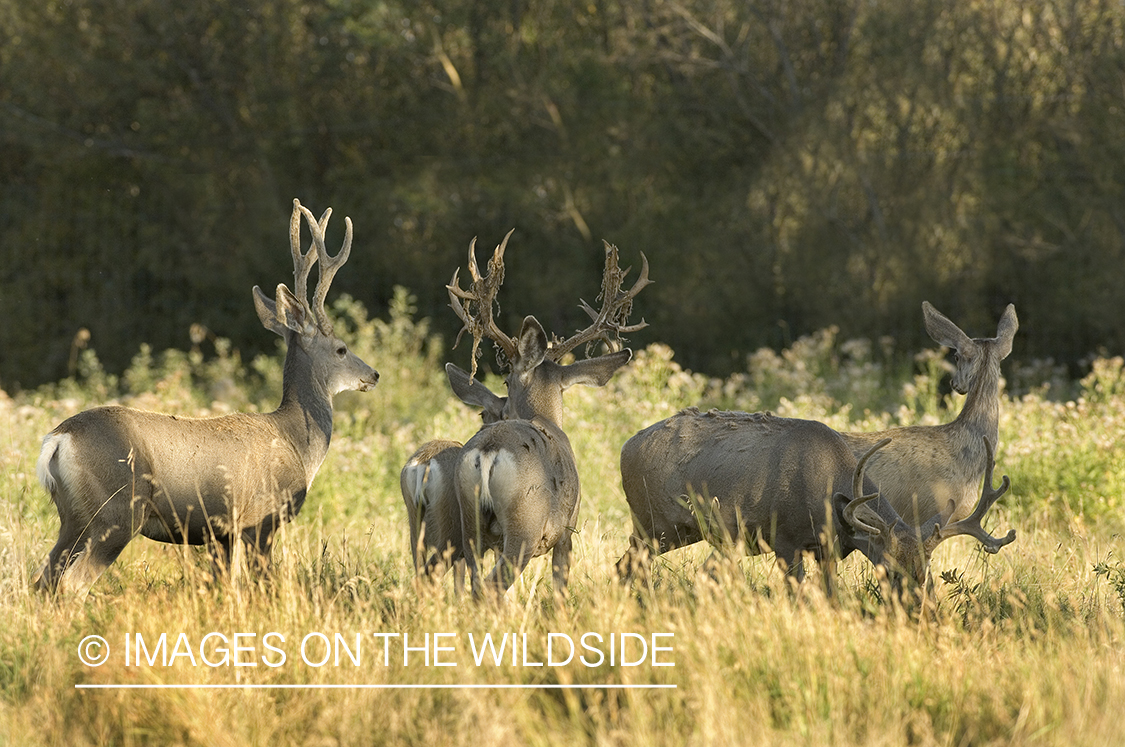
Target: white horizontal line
[{"x": 368, "y": 687}]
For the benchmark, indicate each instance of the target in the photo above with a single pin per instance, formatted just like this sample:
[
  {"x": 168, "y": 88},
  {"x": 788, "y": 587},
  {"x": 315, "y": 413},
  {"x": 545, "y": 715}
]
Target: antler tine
[
  {"x": 616, "y": 307},
  {"x": 477, "y": 309},
  {"x": 971, "y": 525},
  {"x": 303, "y": 262},
  {"x": 329, "y": 265},
  {"x": 859, "y": 499}
]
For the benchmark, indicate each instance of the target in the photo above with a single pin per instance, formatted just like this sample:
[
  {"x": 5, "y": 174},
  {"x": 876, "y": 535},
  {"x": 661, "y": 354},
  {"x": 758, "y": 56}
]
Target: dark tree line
[{"x": 785, "y": 165}]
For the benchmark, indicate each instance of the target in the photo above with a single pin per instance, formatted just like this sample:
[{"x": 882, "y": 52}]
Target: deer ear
[
  {"x": 531, "y": 345},
  {"x": 942, "y": 330},
  {"x": 1006, "y": 330},
  {"x": 267, "y": 312},
  {"x": 472, "y": 392},
  {"x": 284, "y": 313},
  {"x": 595, "y": 371}
]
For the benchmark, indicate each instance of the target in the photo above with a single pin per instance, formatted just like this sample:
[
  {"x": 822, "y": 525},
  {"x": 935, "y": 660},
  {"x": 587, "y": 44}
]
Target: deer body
[
  {"x": 764, "y": 482},
  {"x": 936, "y": 470},
  {"x": 519, "y": 475},
  {"x": 520, "y": 472},
  {"x": 429, "y": 491},
  {"x": 791, "y": 485},
  {"x": 115, "y": 472}
]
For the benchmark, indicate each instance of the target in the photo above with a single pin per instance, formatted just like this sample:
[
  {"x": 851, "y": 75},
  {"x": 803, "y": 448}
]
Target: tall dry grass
[{"x": 1025, "y": 647}]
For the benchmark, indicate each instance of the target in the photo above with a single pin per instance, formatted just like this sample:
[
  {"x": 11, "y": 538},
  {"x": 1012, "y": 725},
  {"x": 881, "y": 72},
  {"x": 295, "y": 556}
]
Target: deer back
[{"x": 763, "y": 472}]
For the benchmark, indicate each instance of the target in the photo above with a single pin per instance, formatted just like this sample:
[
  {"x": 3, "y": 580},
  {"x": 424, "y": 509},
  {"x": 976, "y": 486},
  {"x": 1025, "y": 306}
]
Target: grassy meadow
[{"x": 342, "y": 646}]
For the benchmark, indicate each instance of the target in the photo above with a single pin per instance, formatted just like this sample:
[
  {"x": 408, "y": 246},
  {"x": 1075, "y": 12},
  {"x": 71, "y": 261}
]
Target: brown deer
[
  {"x": 935, "y": 470},
  {"x": 428, "y": 491},
  {"x": 115, "y": 472},
  {"x": 519, "y": 475},
  {"x": 766, "y": 482}
]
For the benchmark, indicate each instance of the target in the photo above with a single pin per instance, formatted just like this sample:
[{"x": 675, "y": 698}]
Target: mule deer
[
  {"x": 932, "y": 470},
  {"x": 519, "y": 473},
  {"x": 767, "y": 482},
  {"x": 115, "y": 472},
  {"x": 427, "y": 483}
]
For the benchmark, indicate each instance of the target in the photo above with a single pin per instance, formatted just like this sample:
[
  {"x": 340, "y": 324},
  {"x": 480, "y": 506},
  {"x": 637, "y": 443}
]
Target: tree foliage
[{"x": 786, "y": 166}]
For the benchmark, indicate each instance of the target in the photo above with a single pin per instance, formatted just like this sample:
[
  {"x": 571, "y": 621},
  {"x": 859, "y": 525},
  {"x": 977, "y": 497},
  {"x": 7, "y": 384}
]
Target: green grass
[{"x": 1025, "y": 647}]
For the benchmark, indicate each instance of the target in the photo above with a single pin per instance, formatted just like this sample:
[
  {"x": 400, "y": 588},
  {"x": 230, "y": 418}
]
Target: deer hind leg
[
  {"x": 221, "y": 550},
  {"x": 95, "y": 551},
  {"x": 636, "y": 563},
  {"x": 259, "y": 540},
  {"x": 510, "y": 562},
  {"x": 60, "y": 558},
  {"x": 560, "y": 563}
]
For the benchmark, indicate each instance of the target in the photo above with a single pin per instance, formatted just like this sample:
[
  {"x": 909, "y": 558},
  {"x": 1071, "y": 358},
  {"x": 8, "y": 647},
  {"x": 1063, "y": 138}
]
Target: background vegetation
[
  {"x": 786, "y": 166},
  {"x": 801, "y": 174},
  {"x": 1024, "y": 648}
]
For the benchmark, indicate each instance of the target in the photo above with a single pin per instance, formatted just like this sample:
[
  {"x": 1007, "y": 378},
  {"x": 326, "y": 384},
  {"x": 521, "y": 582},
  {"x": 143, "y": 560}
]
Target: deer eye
[{"x": 342, "y": 350}]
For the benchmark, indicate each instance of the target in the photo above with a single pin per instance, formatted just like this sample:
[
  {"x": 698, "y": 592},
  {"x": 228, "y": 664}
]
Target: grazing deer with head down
[
  {"x": 930, "y": 471},
  {"x": 519, "y": 474},
  {"x": 428, "y": 490},
  {"x": 789, "y": 485},
  {"x": 115, "y": 472}
]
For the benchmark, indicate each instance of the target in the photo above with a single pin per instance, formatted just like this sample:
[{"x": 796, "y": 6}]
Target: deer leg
[
  {"x": 828, "y": 573},
  {"x": 560, "y": 563},
  {"x": 470, "y": 531},
  {"x": 259, "y": 540},
  {"x": 792, "y": 561},
  {"x": 509, "y": 564},
  {"x": 88, "y": 564},
  {"x": 637, "y": 560},
  {"x": 221, "y": 550},
  {"x": 59, "y": 559}
]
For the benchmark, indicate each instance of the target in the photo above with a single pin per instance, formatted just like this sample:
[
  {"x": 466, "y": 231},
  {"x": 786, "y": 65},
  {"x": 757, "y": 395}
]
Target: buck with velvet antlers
[
  {"x": 517, "y": 477},
  {"x": 766, "y": 482},
  {"x": 115, "y": 472},
  {"x": 930, "y": 471}
]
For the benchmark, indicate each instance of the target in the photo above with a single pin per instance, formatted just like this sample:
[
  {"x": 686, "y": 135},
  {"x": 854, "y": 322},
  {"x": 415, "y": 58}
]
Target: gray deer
[
  {"x": 115, "y": 472},
  {"x": 934, "y": 471},
  {"x": 519, "y": 475},
  {"x": 429, "y": 493},
  {"x": 789, "y": 485}
]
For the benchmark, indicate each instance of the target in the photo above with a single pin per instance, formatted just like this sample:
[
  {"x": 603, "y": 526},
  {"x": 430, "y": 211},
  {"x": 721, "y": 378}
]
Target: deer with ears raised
[
  {"x": 931, "y": 474},
  {"x": 518, "y": 475},
  {"x": 115, "y": 472}
]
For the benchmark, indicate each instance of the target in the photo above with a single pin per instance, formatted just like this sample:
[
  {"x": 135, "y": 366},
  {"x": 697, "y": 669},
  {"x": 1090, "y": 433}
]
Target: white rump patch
[
  {"x": 53, "y": 444},
  {"x": 496, "y": 474},
  {"x": 425, "y": 481}
]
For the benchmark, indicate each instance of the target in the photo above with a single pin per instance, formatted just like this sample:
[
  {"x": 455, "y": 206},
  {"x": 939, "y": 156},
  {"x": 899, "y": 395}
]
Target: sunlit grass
[{"x": 1024, "y": 647}]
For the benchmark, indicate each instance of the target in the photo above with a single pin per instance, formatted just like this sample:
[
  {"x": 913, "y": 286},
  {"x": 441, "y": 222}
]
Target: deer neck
[
  {"x": 305, "y": 413},
  {"x": 981, "y": 412}
]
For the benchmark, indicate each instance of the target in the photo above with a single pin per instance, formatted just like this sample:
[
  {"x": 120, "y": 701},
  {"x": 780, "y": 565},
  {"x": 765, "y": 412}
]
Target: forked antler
[
  {"x": 303, "y": 262},
  {"x": 479, "y": 299},
  {"x": 616, "y": 307},
  {"x": 971, "y": 525},
  {"x": 875, "y": 526}
]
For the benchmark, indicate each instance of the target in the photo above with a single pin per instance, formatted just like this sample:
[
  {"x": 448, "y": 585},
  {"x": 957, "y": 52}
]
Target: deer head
[{"x": 537, "y": 377}]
